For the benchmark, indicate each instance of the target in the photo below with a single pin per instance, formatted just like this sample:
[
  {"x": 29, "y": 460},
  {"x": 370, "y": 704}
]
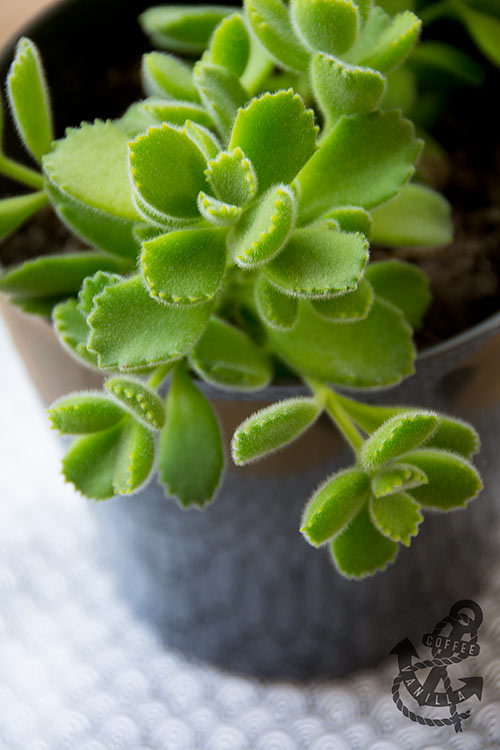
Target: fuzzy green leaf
[
  {"x": 351, "y": 219},
  {"x": 136, "y": 119},
  {"x": 362, "y": 162},
  {"x": 174, "y": 112},
  {"x": 456, "y": 436},
  {"x": 343, "y": 89},
  {"x": 29, "y": 99},
  {"x": 106, "y": 232},
  {"x": 51, "y": 275},
  {"x": 484, "y": 29},
  {"x": 396, "y": 478},
  {"x": 118, "y": 460},
  {"x": 83, "y": 413},
  {"x": 258, "y": 131},
  {"x": 334, "y": 504},
  {"x": 130, "y": 330},
  {"x": 272, "y": 428},
  {"x": 348, "y": 307},
  {"x": 402, "y": 284},
  {"x": 73, "y": 331},
  {"x": 264, "y": 228},
  {"x": 326, "y": 25},
  {"x": 222, "y": 94},
  {"x": 203, "y": 138},
  {"x": 452, "y": 479},
  {"x": 394, "y": 44},
  {"x": 91, "y": 165},
  {"x": 361, "y": 549},
  {"x": 232, "y": 177},
  {"x": 15, "y": 211},
  {"x": 185, "y": 267},
  {"x": 217, "y": 212},
  {"x": 397, "y": 436},
  {"x": 42, "y": 306},
  {"x": 319, "y": 263},
  {"x": 230, "y": 45},
  {"x": 92, "y": 286},
  {"x": 191, "y": 457},
  {"x": 184, "y": 29},
  {"x": 139, "y": 400},
  {"x": 276, "y": 309},
  {"x": 396, "y": 516},
  {"x": 417, "y": 216},
  {"x": 271, "y": 23},
  {"x": 228, "y": 358},
  {"x": 168, "y": 172},
  {"x": 374, "y": 352},
  {"x": 168, "y": 77}
]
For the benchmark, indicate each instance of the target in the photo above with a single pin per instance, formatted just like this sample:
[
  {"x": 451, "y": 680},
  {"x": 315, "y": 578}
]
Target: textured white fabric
[{"x": 79, "y": 672}]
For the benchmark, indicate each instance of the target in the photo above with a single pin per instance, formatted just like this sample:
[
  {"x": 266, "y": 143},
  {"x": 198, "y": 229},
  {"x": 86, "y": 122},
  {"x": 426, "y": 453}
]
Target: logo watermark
[{"x": 453, "y": 640}]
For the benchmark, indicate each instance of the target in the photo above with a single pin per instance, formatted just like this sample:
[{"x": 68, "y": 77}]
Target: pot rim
[{"x": 485, "y": 328}]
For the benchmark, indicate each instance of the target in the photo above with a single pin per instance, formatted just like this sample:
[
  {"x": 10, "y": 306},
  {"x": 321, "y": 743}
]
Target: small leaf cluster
[{"x": 228, "y": 217}]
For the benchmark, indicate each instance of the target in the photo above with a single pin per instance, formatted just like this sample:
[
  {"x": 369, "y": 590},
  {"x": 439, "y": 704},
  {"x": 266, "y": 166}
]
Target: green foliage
[
  {"x": 228, "y": 217},
  {"x": 191, "y": 458}
]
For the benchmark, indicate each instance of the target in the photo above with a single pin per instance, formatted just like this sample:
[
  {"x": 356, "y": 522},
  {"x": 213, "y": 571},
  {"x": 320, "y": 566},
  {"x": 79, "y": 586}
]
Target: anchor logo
[{"x": 458, "y": 644}]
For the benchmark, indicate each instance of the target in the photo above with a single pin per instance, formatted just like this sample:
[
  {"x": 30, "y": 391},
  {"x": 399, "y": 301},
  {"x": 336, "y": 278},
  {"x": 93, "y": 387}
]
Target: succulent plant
[{"x": 228, "y": 217}]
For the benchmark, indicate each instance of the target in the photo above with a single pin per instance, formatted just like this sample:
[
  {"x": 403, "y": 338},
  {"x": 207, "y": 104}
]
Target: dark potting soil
[{"x": 464, "y": 276}]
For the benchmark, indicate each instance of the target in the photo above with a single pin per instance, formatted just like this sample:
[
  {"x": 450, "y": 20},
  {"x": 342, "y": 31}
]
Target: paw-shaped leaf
[
  {"x": 15, "y": 211},
  {"x": 185, "y": 267},
  {"x": 264, "y": 228},
  {"x": 278, "y": 310},
  {"x": 270, "y": 20},
  {"x": 397, "y": 436},
  {"x": 319, "y": 263},
  {"x": 138, "y": 400},
  {"x": 168, "y": 172},
  {"x": 372, "y": 352},
  {"x": 361, "y": 549},
  {"x": 91, "y": 165},
  {"x": 396, "y": 516},
  {"x": 84, "y": 413},
  {"x": 118, "y": 460},
  {"x": 402, "y": 284},
  {"x": 272, "y": 428},
  {"x": 258, "y": 131},
  {"x": 168, "y": 77},
  {"x": 203, "y": 138},
  {"x": 185, "y": 29},
  {"x": 174, "y": 112},
  {"x": 456, "y": 436},
  {"x": 394, "y": 44},
  {"x": 230, "y": 45},
  {"x": 232, "y": 177},
  {"x": 348, "y": 307},
  {"x": 329, "y": 26},
  {"x": 351, "y": 219},
  {"x": 217, "y": 212},
  {"x": 191, "y": 458},
  {"x": 453, "y": 481},
  {"x": 397, "y": 477},
  {"x": 228, "y": 358},
  {"x": 130, "y": 330},
  {"x": 222, "y": 94},
  {"x": 417, "y": 216},
  {"x": 334, "y": 504},
  {"x": 29, "y": 99},
  {"x": 362, "y": 162}
]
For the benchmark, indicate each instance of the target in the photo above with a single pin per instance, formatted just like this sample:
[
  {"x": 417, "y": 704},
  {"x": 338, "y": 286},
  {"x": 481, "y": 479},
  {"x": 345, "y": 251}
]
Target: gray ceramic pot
[{"x": 237, "y": 585}]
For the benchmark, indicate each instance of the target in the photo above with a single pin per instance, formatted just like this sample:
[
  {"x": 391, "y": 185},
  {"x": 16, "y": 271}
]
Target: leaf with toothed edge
[
  {"x": 348, "y": 307},
  {"x": 228, "y": 358},
  {"x": 168, "y": 172},
  {"x": 330, "y": 26},
  {"x": 190, "y": 454},
  {"x": 276, "y": 309},
  {"x": 258, "y": 131},
  {"x": 203, "y": 138},
  {"x": 334, "y": 504},
  {"x": 397, "y": 477},
  {"x": 271, "y": 23},
  {"x": 174, "y": 112},
  {"x": 232, "y": 177},
  {"x": 394, "y": 44},
  {"x": 222, "y": 94},
  {"x": 396, "y": 516},
  {"x": 230, "y": 44},
  {"x": 217, "y": 212},
  {"x": 185, "y": 267},
  {"x": 360, "y": 550},
  {"x": 168, "y": 77},
  {"x": 92, "y": 286},
  {"x": 453, "y": 480},
  {"x": 137, "y": 399},
  {"x": 84, "y": 413},
  {"x": 402, "y": 284},
  {"x": 351, "y": 219},
  {"x": 319, "y": 263},
  {"x": 456, "y": 436},
  {"x": 29, "y": 99},
  {"x": 184, "y": 29},
  {"x": 272, "y": 428},
  {"x": 264, "y": 228},
  {"x": 129, "y": 330},
  {"x": 397, "y": 436}
]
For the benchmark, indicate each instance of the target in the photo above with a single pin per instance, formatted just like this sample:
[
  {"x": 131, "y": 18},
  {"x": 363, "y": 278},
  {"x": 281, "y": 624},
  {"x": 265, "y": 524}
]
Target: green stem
[
  {"x": 158, "y": 376},
  {"x": 337, "y": 413},
  {"x": 20, "y": 173}
]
